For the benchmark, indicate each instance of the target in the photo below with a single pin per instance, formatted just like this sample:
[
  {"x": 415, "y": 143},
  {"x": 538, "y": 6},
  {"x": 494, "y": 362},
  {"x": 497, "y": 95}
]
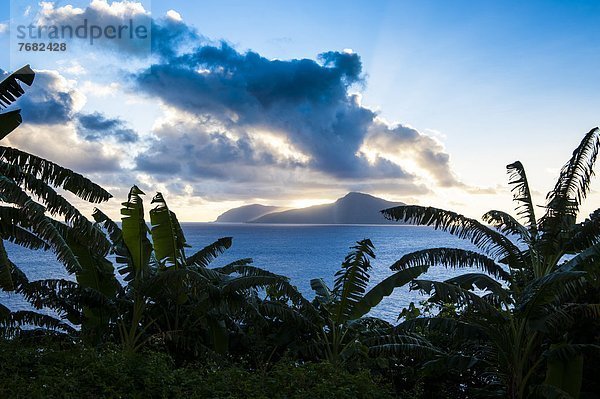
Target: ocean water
[{"x": 300, "y": 252}]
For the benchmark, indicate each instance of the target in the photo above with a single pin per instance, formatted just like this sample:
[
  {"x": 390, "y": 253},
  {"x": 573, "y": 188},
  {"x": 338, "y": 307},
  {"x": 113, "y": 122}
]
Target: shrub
[{"x": 51, "y": 371}]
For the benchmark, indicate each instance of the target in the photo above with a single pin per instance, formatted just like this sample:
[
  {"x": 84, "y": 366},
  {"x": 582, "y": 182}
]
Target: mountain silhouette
[
  {"x": 246, "y": 213},
  {"x": 353, "y": 208}
]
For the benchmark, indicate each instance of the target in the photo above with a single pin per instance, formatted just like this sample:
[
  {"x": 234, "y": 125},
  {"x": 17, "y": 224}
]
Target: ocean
[{"x": 300, "y": 252}]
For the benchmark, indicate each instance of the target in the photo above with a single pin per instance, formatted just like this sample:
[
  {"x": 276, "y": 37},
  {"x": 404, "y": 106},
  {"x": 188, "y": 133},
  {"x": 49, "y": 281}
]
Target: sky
[{"x": 228, "y": 103}]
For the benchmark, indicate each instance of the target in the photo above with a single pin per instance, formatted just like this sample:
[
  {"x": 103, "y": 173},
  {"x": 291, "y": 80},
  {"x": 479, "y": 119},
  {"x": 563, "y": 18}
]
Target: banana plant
[
  {"x": 346, "y": 331},
  {"x": 177, "y": 298},
  {"x": 526, "y": 305},
  {"x": 28, "y": 190}
]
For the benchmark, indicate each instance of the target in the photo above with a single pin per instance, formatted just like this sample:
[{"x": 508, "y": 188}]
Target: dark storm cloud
[
  {"x": 304, "y": 100},
  {"x": 95, "y": 127},
  {"x": 168, "y": 36},
  {"x": 216, "y": 79}
]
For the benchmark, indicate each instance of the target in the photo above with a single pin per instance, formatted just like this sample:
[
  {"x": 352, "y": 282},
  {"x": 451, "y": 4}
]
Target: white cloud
[
  {"x": 3, "y": 28},
  {"x": 60, "y": 144},
  {"x": 72, "y": 67},
  {"x": 59, "y": 84},
  {"x": 174, "y": 15},
  {"x": 419, "y": 154},
  {"x": 100, "y": 90},
  {"x": 97, "y": 8},
  {"x": 100, "y": 13},
  {"x": 48, "y": 12},
  {"x": 121, "y": 9}
]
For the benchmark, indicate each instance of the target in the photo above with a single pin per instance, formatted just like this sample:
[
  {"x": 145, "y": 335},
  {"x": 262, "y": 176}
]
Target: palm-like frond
[
  {"x": 585, "y": 234},
  {"x": 97, "y": 272},
  {"x": 10, "y": 326},
  {"x": 550, "y": 288},
  {"x": 245, "y": 270},
  {"x": 6, "y": 280},
  {"x": 209, "y": 253},
  {"x": 167, "y": 236},
  {"x": 39, "y": 223},
  {"x": 56, "y": 204},
  {"x": 212, "y": 275},
  {"x": 178, "y": 283},
  {"x": 10, "y": 90},
  {"x": 471, "y": 281},
  {"x": 285, "y": 314},
  {"x": 507, "y": 224},
  {"x": 9, "y": 121},
  {"x": 135, "y": 236},
  {"x": 563, "y": 317},
  {"x": 59, "y": 295},
  {"x": 119, "y": 248},
  {"x": 491, "y": 242},
  {"x": 385, "y": 288},
  {"x": 457, "y": 329},
  {"x": 401, "y": 345},
  {"x": 322, "y": 292},
  {"x": 55, "y": 175},
  {"x": 570, "y": 190},
  {"x": 240, "y": 262},
  {"x": 280, "y": 283},
  {"x": 444, "y": 292},
  {"x": 14, "y": 228},
  {"x": 251, "y": 282},
  {"x": 352, "y": 279},
  {"x": 588, "y": 259},
  {"x": 522, "y": 195},
  {"x": 113, "y": 229},
  {"x": 452, "y": 258}
]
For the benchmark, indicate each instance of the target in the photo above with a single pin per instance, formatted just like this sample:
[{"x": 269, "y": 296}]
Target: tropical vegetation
[{"x": 144, "y": 316}]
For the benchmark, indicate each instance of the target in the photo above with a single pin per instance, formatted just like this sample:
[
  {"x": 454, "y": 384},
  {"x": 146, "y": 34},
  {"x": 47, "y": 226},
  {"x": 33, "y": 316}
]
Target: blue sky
[{"x": 483, "y": 83}]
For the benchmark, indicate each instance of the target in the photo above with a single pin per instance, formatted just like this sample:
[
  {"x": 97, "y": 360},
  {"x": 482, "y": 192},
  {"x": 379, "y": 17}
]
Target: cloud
[
  {"x": 220, "y": 166},
  {"x": 166, "y": 36},
  {"x": 123, "y": 17},
  {"x": 61, "y": 144},
  {"x": 50, "y": 108},
  {"x": 97, "y": 11},
  {"x": 417, "y": 152},
  {"x": 304, "y": 103},
  {"x": 174, "y": 15},
  {"x": 71, "y": 67},
  {"x": 95, "y": 127},
  {"x": 3, "y": 28},
  {"x": 55, "y": 100},
  {"x": 52, "y": 99},
  {"x": 197, "y": 148},
  {"x": 239, "y": 125},
  {"x": 170, "y": 35},
  {"x": 101, "y": 89}
]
